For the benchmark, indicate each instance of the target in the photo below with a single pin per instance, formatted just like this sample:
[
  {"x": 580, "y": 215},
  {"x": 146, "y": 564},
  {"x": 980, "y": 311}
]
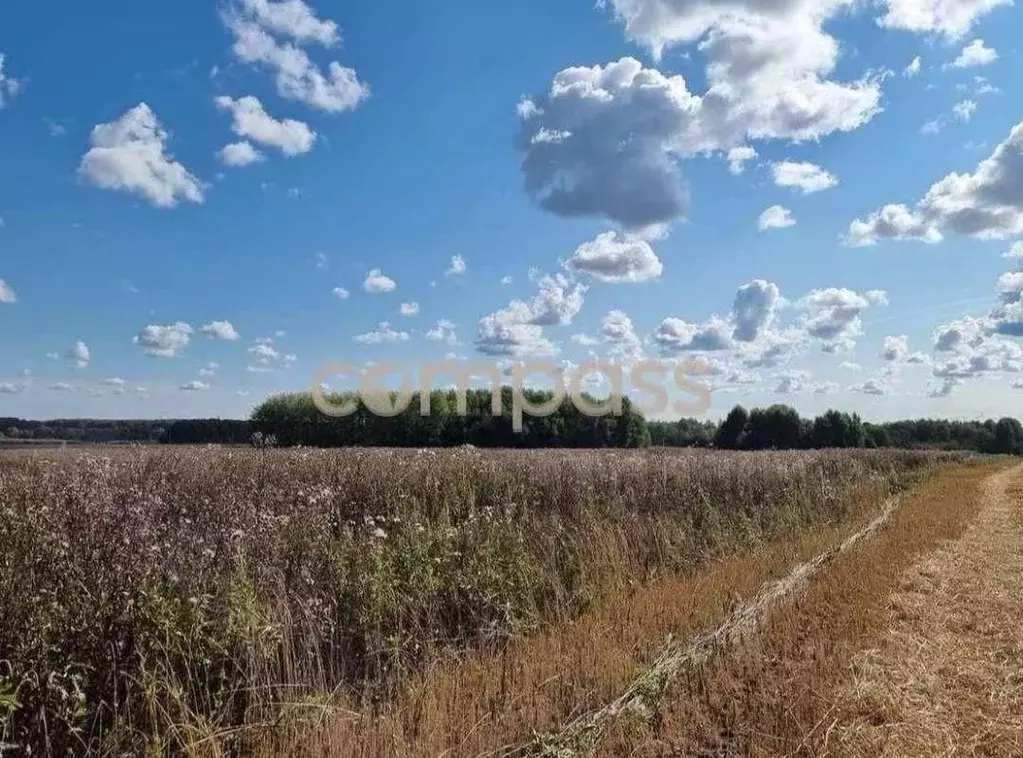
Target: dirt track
[{"x": 947, "y": 679}]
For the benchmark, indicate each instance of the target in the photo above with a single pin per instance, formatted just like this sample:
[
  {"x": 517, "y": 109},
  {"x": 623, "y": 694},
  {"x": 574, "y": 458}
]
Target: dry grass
[
  {"x": 776, "y": 695},
  {"x": 947, "y": 679},
  {"x": 211, "y": 601}
]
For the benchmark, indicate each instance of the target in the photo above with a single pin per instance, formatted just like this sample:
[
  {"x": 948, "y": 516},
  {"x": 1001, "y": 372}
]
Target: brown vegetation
[
  {"x": 378, "y": 602},
  {"x": 779, "y": 693}
]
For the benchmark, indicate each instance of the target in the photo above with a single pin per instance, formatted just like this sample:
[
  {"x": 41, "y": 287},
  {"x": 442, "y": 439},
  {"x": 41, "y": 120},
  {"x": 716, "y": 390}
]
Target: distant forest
[{"x": 293, "y": 419}]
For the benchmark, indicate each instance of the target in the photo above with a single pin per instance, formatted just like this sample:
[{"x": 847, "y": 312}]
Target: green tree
[{"x": 731, "y": 433}]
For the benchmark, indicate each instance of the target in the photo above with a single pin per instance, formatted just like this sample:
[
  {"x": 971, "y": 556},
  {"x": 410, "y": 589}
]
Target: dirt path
[{"x": 947, "y": 678}]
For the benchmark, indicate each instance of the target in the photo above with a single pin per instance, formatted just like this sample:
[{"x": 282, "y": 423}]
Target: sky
[{"x": 820, "y": 202}]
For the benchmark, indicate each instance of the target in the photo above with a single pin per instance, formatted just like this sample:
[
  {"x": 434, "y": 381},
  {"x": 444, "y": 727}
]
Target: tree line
[{"x": 294, "y": 419}]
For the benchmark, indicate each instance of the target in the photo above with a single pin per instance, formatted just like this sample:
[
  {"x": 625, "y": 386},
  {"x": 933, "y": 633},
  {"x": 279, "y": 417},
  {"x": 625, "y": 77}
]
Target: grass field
[{"x": 211, "y": 601}]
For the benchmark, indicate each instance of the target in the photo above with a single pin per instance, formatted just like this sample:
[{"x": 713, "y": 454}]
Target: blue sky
[{"x": 817, "y": 198}]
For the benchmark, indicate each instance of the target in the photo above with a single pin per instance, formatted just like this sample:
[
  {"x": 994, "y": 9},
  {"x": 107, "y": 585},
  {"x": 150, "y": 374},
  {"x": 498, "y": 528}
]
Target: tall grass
[{"x": 160, "y": 600}]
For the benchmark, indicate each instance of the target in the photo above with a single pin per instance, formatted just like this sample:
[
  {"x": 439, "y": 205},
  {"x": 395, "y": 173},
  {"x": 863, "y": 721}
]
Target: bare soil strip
[{"x": 947, "y": 680}]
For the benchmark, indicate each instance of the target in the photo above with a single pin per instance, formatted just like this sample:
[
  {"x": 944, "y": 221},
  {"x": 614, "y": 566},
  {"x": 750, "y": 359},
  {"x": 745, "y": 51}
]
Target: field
[{"x": 209, "y": 601}]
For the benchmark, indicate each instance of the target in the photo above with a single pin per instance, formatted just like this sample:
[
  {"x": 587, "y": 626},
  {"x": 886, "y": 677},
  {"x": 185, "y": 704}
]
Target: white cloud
[
  {"x": 893, "y": 221},
  {"x": 376, "y": 283},
  {"x": 896, "y": 348},
  {"x": 409, "y": 309},
  {"x": 585, "y": 340},
  {"x": 9, "y": 87},
  {"x": 964, "y": 110},
  {"x": 79, "y": 353},
  {"x": 128, "y": 155},
  {"x": 557, "y": 301},
  {"x": 675, "y": 335},
  {"x": 221, "y": 330},
  {"x": 833, "y": 316},
  {"x": 805, "y": 176},
  {"x": 194, "y": 386},
  {"x": 517, "y": 329},
  {"x": 850, "y": 366},
  {"x": 1015, "y": 252},
  {"x": 7, "y": 295},
  {"x": 251, "y": 120},
  {"x": 164, "y": 341},
  {"x": 341, "y": 293},
  {"x": 239, "y": 154},
  {"x": 293, "y": 18},
  {"x": 987, "y": 204},
  {"x": 457, "y": 267},
  {"x": 975, "y": 54},
  {"x": 952, "y": 18},
  {"x": 616, "y": 259},
  {"x": 792, "y": 382},
  {"x": 297, "y": 77},
  {"x": 776, "y": 217},
  {"x": 913, "y": 68},
  {"x": 754, "y": 309},
  {"x": 61, "y": 387},
  {"x": 506, "y": 280},
  {"x": 932, "y": 127},
  {"x": 618, "y": 330},
  {"x": 875, "y": 386},
  {"x": 9, "y": 388},
  {"x": 945, "y": 388},
  {"x": 383, "y": 333},
  {"x": 322, "y": 261},
  {"x": 738, "y": 157},
  {"x": 623, "y": 128},
  {"x": 266, "y": 358},
  {"x": 443, "y": 331}
]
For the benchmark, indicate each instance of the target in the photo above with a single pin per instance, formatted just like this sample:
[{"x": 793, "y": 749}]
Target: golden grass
[
  {"x": 482, "y": 703},
  {"x": 782, "y": 694}
]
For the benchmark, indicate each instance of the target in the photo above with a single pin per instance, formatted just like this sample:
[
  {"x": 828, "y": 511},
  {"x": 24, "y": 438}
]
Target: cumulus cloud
[
  {"x": 952, "y": 18},
  {"x": 792, "y": 382},
  {"x": 9, "y": 86},
  {"x": 893, "y": 221},
  {"x": 776, "y": 217},
  {"x": 293, "y": 18},
  {"x": 194, "y": 386},
  {"x": 443, "y": 331},
  {"x": 458, "y": 266},
  {"x": 10, "y": 388},
  {"x": 807, "y": 177},
  {"x": 220, "y": 330},
  {"x": 517, "y": 329},
  {"x": 129, "y": 155},
  {"x": 874, "y": 386},
  {"x": 264, "y": 357},
  {"x": 341, "y": 293},
  {"x": 164, "y": 341},
  {"x": 409, "y": 309},
  {"x": 607, "y": 140},
  {"x": 250, "y": 120},
  {"x": 238, "y": 154},
  {"x": 738, "y": 157},
  {"x": 675, "y": 335},
  {"x": 975, "y": 54},
  {"x": 754, "y": 309},
  {"x": 616, "y": 259},
  {"x": 382, "y": 333},
  {"x": 7, "y": 295},
  {"x": 619, "y": 332},
  {"x": 254, "y": 24},
  {"x": 376, "y": 283},
  {"x": 1015, "y": 252},
  {"x": 896, "y": 348},
  {"x": 987, "y": 204},
  {"x": 79, "y": 354},
  {"x": 913, "y": 68},
  {"x": 834, "y": 316}
]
